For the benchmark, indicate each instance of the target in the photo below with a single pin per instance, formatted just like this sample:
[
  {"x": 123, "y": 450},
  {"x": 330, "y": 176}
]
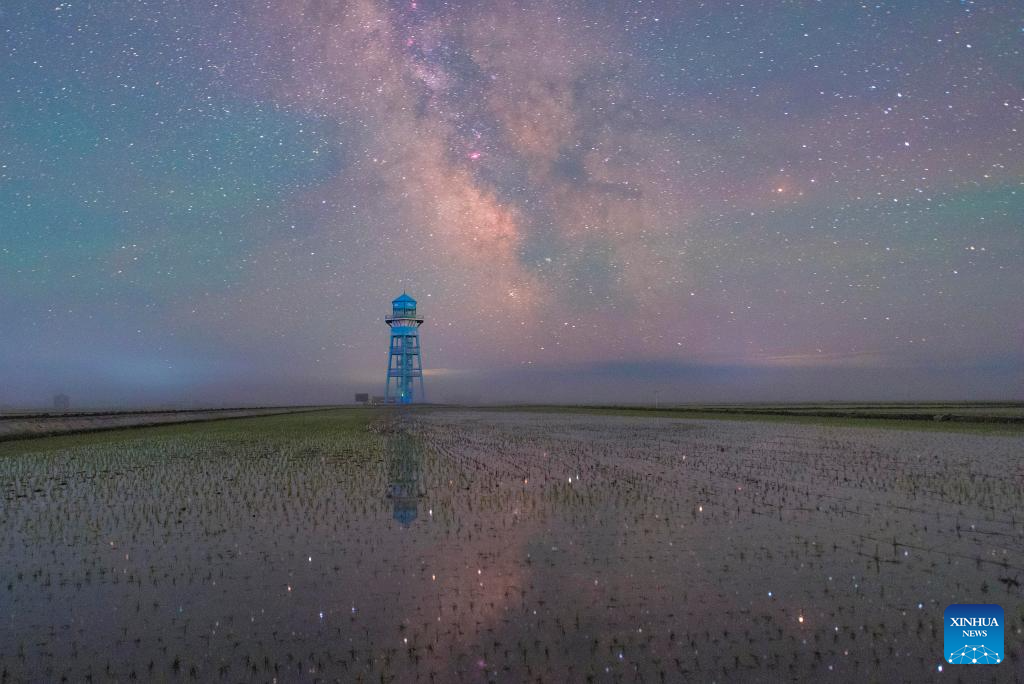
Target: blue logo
[{"x": 974, "y": 634}]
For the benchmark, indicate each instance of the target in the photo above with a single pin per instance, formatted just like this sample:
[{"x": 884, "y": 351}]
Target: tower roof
[{"x": 403, "y": 299}]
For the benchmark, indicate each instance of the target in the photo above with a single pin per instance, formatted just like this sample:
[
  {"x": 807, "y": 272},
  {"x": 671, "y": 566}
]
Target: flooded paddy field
[{"x": 458, "y": 545}]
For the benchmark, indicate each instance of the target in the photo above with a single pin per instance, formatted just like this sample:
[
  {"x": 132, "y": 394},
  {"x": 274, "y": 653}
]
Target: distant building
[
  {"x": 61, "y": 402},
  {"x": 362, "y": 398},
  {"x": 377, "y": 399}
]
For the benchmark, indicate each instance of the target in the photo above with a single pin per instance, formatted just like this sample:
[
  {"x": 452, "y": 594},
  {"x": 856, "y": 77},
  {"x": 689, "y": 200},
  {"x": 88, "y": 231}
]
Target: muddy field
[{"x": 447, "y": 545}]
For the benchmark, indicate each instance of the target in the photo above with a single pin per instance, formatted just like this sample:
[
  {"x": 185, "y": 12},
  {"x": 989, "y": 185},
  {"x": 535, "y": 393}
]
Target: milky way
[{"x": 207, "y": 203}]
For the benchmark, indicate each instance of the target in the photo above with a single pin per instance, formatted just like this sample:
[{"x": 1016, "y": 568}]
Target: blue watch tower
[{"x": 404, "y": 361}]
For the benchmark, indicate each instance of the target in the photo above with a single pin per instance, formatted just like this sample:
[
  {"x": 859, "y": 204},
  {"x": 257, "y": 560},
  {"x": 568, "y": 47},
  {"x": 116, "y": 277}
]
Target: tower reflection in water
[{"x": 405, "y": 468}]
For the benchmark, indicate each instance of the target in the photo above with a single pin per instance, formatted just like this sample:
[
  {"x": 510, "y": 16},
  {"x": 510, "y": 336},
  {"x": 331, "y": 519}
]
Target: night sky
[{"x": 215, "y": 202}]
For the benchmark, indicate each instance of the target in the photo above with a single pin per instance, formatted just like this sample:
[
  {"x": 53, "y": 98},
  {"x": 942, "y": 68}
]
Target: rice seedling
[{"x": 440, "y": 545}]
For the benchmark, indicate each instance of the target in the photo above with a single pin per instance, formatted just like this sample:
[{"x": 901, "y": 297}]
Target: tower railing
[{"x": 406, "y": 315}]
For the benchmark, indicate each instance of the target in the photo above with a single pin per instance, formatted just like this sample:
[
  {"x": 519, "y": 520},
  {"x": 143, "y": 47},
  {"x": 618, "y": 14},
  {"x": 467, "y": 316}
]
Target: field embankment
[
  {"x": 970, "y": 417},
  {"x": 24, "y": 425}
]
